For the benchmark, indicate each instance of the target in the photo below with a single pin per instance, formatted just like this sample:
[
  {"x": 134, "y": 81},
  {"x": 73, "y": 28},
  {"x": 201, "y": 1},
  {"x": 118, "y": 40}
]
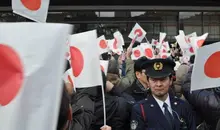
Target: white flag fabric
[
  {"x": 182, "y": 42},
  {"x": 137, "y": 31},
  {"x": 187, "y": 37},
  {"x": 36, "y": 10},
  {"x": 137, "y": 52},
  {"x": 31, "y": 74},
  {"x": 165, "y": 46},
  {"x": 181, "y": 33},
  {"x": 206, "y": 72},
  {"x": 85, "y": 59},
  {"x": 155, "y": 43},
  {"x": 197, "y": 42},
  {"x": 69, "y": 78},
  {"x": 115, "y": 46},
  {"x": 162, "y": 37},
  {"x": 102, "y": 44},
  {"x": 147, "y": 50},
  {"x": 67, "y": 54},
  {"x": 119, "y": 37},
  {"x": 104, "y": 66}
]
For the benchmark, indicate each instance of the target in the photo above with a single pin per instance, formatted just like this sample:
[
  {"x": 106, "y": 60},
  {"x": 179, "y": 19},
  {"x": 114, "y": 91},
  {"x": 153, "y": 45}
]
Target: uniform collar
[{"x": 160, "y": 103}]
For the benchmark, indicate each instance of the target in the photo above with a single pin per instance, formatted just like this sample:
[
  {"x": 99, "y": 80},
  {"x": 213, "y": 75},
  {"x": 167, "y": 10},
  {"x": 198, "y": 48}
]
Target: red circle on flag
[
  {"x": 211, "y": 66},
  {"x": 138, "y": 32},
  {"x": 187, "y": 40},
  {"x": 164, "y": 51},
  {"x": 102, "y": 44},
  {"x": 191, "y": 49},
  {"x": 149, "y": 53},
  {"x": 77, "y": 61},
  {"x": 137, "y": 53},
  {"x": 200, "y": 42},
  {"x": 32, "y": 5},
  {"x": 115, "y": 44},
  {"x": 164, "y": 56},
  {"x": 11, "y": 75}
]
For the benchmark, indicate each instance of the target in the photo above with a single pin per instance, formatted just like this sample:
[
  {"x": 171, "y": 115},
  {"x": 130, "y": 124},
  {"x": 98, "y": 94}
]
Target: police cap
[{"x": 159, "y": 68}]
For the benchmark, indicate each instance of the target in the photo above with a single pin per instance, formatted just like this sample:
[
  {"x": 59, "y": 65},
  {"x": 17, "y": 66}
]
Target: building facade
[{"x": 200, "y": 17}]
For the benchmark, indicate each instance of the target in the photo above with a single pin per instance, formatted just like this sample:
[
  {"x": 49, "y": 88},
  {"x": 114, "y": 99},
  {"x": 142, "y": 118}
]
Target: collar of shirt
[
  {"x": 138, "y": 83},
  {"x": 167, "y": 101}
]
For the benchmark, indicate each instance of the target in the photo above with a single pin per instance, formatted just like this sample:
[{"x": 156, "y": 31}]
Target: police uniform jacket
[{"x": 147, "y": 115}]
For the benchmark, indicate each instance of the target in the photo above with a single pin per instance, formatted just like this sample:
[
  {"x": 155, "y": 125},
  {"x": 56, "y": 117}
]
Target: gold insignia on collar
[{"x": 158, "y": 66}]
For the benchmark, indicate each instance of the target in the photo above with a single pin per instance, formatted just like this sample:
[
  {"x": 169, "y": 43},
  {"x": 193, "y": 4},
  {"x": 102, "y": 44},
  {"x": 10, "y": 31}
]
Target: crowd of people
[{"x": 142, "y": 94}]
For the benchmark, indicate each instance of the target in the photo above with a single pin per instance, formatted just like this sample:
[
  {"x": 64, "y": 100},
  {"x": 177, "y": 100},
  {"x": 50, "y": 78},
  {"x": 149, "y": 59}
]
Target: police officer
[{"x": 161, "y": 110}]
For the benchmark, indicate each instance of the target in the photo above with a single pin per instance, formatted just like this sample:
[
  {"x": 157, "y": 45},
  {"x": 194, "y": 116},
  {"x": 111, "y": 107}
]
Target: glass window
[
  {"x": 134, "y": 14},
  {"x": 110, "y": 14},
  {"x": 106, "y": 14},
  {"x": 191, "y": 22},
  {"x": 169, "y": 25},
  {"x": 212, "y": 25}
]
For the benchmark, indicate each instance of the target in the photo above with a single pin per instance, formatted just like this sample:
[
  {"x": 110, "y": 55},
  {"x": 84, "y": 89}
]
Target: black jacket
[
  {"x": 87, "y": 107},
  {"x": 137, "y": 91},
  {"x": 205, "y": 101}
]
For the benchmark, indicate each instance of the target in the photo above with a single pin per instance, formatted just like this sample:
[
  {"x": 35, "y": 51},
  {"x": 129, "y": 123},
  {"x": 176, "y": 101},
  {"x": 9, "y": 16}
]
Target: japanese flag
[
  {"x": 162, "y": 37},
  {"x": 188, "y": 51},
  {"x": 197, "y": 42},
  {"x": 185, "y": 43},
  {"x": 137, "y": 32},
  {"x": 33, "y": 9},
  {"x": 85, "y": 59},
  {"x": 187, "y": 38},
  {"x": 206, "y": 72},
  {"x": 32, "y": 64},
  {"x": 115, "y": 46},
  {"x": 137, "y": 52},
  {"x": 181, "y": 33},
  {"x": 164, "y": 55},
  {"x": 102, "y": 44},
  {"x": 104, "y": 66},
  {"x": 67, "y": 54},
  {"x": 119, "y": 37},
  {"x": 147, "y": 50},
  {"x": 155, "y": 43},
  {"x": 163, "y": 50},
  {"x": 182, "y": 42},
  {"x": 166, "y": 46}
]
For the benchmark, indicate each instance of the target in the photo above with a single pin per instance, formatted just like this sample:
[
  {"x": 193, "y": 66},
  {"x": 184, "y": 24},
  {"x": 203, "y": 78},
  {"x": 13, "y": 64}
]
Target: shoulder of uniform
[
  {"x": 144, "y": 101},
  {"x": 180, "y": 101}
]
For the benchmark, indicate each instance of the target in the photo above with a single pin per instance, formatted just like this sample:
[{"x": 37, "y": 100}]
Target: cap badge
[{"x": 158, "y": 66}]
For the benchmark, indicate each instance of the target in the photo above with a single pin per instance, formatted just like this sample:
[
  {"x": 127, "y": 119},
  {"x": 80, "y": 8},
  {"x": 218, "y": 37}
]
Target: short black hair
[
  {"x": 68, "y": 66},
  {"x": 192, "y": 59},
  {"x": 64, "y": 109},
  {"x": 106, "y": 56}
]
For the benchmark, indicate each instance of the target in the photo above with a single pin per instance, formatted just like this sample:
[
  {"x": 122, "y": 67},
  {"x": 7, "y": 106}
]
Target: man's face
[
  {"x": 159, "y": 87},
  {"x": 141, "y": 76}
]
